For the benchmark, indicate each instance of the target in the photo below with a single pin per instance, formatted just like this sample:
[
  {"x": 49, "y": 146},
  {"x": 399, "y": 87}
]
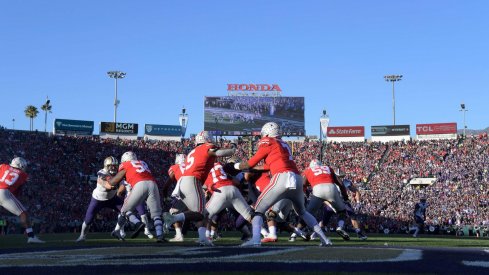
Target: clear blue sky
[{"x": 334, "y": 53}]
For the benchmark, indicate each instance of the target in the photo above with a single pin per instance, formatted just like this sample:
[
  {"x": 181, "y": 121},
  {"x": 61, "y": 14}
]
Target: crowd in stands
[{"x": 59, "y": 188}]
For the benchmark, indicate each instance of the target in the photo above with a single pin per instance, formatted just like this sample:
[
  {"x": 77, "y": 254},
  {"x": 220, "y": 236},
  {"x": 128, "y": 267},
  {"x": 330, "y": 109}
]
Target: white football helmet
[
  {"x": 203, "y": 137},
  {"x": 19, "y": 163},
  {"x": 180, "y": 159},
  {"x": 110, "y": 165},
  {"x": 270, "y": 129},
  {"x": 128, "y": 156},
  {"x": 315, "y": 163}
]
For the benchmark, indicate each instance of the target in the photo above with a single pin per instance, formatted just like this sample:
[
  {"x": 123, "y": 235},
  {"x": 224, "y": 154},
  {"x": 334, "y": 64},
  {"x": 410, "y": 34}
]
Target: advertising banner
[
  {"x": 62, "y": 126},
  {"x": 119, "y": 128},
  {"x": 346, "y": 131},
  {"x": 390, "y": 130},
  {"x": 436, "y": 128},
  {"x": 162, "y": 130}
]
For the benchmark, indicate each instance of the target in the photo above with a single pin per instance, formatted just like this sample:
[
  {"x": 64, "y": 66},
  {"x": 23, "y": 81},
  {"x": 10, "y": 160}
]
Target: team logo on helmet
[
  {"x": 128, "y": 156},
  {"x": 270, "y": 129},
  {"x": 203, "y": 137},
  {"x": 19, "y": 163}
]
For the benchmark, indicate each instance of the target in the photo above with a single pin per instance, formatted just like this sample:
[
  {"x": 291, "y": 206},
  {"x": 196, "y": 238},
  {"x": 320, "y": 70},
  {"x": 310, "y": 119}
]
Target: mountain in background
[{"x": 473, "y": 132}]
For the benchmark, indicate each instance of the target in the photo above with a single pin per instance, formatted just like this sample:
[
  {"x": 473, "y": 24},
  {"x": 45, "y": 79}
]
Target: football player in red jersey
[
  {"x": 12, "y": 177},
  {"x": 286, "y": 182},
  {"x": 144, "y": 188},
  {"x": 224, "y": 194},
  {"x": 197, "y": 166},
  {"x": 175, "y": 172},
  {"x": 324, "y": 184}
]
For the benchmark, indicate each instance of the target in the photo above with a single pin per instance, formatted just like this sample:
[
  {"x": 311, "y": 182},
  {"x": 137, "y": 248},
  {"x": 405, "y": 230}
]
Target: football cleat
[
  {"x": 314, "y": 236},
  {"x": 250, "y": 243},
  {"x": 139, "y": 227},
  {"x": 206, "y": 242},
  {"x": 362, "y": 236},
  {"x": 148, "y": 233},
  {"x": 326, "y": 243},
  {"x": 343, "y": 233},
  {"x": 305, "y": 236},
  {"x": 269, "y": 240},
  {"x": 117, "y": 234},
  {"x": 292, "y": 239},
  {"x": 34, "y": 239},
  {"x": 82, "y": 238},
  {"x": 177, "y": 239},
  {"x": 168, "y": 219},
  {"x": 161, "y": 239}
]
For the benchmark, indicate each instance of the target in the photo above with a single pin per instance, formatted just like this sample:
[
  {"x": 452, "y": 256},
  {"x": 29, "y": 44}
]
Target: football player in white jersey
[
  {"x": 420, "y": 215},
  {"x": 104, "y": 196}
]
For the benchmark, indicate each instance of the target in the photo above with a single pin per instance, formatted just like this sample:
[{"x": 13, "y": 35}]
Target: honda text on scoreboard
[{"x": 245, "y": 115}]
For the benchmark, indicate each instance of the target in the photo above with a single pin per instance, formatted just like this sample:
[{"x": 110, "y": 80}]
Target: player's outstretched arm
[{"x": 118, "y": 178}]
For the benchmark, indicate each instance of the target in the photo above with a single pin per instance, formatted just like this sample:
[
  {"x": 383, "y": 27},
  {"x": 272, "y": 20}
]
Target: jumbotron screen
[{"x": 245, "y": 115}]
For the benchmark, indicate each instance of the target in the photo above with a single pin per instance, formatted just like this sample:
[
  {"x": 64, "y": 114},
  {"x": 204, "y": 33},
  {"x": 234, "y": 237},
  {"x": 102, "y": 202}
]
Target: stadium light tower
[
  {"x": 462, "y": 109},
  {"x": 116, "y": 75},
  {"x": 323, "y": 127},
  {"x": 183, "y": 118},
  {"x": 393, "y": 78},
  {"x": 13, "y": 123}
]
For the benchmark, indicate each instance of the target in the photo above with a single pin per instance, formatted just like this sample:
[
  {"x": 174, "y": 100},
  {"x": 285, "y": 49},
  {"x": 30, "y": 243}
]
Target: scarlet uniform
[
  {"x": 277, "y": 156},
  {"x": 227, "y": 196},
  {"x": 262, "y": 182},
  {"x": 199, "y": 163},
  {"x": 177, "y": 171},
  {"x": 318, "y": 175},
  {"x": 321, "y": 178},
  {"x": 136, "y": 171},
  {"x": 217, "y": 178},
  {"x": 11, "y": 178}
]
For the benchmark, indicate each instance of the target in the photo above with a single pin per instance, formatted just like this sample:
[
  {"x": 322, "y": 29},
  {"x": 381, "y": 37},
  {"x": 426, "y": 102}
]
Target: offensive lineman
[
  {"x": 197, "y": 166},
  {"x": 12, "y": 177},
  {"x": 286, "y": 181},
  {"x": 144, "y": 188}
]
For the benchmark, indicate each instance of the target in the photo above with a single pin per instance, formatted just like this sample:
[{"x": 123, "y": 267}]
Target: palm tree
[
  {"x": 47, "y": 109},
  {"x": 31, "y": 112}
]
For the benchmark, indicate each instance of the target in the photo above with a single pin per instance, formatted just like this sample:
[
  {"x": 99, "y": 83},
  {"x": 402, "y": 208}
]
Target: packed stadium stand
[{"x": 62, "y": 168}]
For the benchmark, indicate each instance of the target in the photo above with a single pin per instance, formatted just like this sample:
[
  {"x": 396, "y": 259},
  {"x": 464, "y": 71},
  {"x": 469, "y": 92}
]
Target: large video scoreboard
[{"x": 245, "y": 115}]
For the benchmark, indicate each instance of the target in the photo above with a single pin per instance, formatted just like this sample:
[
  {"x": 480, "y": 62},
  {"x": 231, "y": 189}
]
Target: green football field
[{"x": 232, "y": 238}]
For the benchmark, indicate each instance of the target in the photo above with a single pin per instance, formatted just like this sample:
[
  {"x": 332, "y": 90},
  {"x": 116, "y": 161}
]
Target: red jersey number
[
  {"x": 218, "y": 173},
  {"x": 140, "y": 166},
  {"x": 318, "y": 170},
  {"x": 9, "y": 177}
]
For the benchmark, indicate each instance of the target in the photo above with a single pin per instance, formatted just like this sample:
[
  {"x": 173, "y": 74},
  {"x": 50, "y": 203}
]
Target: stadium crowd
[{"x": 61, "y": 174}]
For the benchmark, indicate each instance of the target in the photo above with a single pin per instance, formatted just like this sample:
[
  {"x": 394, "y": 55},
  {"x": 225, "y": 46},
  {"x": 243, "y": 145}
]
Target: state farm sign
[
  {"x": 346, "y": 131},
  {"x": 436, "y": 128},
  {"x": 254, "y": 87}
]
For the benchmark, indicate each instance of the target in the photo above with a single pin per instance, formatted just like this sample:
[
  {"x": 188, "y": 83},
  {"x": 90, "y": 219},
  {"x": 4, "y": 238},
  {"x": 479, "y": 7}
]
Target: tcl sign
[
  {"x": 436, "y": 128},
  {"x": 346, "y": 131},
  {"x": 254, "y": 87}
]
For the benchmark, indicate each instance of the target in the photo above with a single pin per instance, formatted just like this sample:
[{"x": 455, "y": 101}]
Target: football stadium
[{"x": 284, "y": 159}]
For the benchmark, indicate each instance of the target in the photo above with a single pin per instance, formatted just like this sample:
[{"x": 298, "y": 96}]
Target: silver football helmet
[
  {"x": 19, "y": 163},
  {"x": 128, "y": 156},
  {"x": 270, "y": 129},
  {"x": 315, "y": 163},
  {"x": 203, "y": 137}
]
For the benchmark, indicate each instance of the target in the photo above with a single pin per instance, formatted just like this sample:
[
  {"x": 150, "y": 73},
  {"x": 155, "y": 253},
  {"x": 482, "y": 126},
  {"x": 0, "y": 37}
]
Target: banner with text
[
  {"x": 63, "y": 126},
  {"x": 162, "y": 130},
  {"x": 436, "y": 128},
  {"x": 390, "y": 130},
  {"x": 119, "y": 128},
  {"x": 346, "y": 131}
]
